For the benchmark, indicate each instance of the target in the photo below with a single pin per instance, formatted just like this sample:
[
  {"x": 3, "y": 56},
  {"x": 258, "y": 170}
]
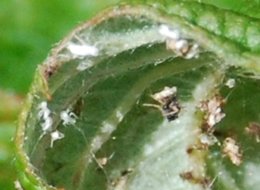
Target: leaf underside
[{"x": 120, "y": 143}]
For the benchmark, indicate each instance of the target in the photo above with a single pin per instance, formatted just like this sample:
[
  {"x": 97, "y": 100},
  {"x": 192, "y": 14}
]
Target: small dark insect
[
  {"x": 169, "y": 105},
  {"x": 171, "y": 108}
]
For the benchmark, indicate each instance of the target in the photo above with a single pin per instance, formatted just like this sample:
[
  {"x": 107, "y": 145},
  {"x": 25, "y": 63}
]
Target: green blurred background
[{"x": 28, "y": 30}]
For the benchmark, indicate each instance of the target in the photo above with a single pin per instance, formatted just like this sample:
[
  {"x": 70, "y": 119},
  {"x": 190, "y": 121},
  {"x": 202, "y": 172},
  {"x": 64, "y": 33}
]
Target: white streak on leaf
[
  {"x": 165, "y": 31},
  {"x": 82, "y": 50},
  {"x": 107, "y": 128},
  {"x": 119, "y": 115}
]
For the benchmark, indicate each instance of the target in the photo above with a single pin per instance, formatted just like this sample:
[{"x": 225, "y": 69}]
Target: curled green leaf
[{"x": 145, "y": 97}]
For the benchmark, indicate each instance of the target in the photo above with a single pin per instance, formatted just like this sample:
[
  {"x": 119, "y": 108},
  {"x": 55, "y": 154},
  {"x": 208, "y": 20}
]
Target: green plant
[{"x": 161, "y": 96}]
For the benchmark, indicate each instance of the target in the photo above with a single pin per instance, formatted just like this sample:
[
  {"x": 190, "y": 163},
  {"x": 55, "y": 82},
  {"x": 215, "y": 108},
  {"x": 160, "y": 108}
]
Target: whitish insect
[
  {"x": 230, "y": 83},
  {"x": 169, "y": 104},
  {"x": 232, "y": 150},
  {"x": 56, "y": 135},
  {"x": 44, "y": 111},
  {"x": 104, "y": 160},
  {"x": 208, "y": 139},
  {"x": 45, "y": 115},
  {"x": 68, "y": 117}
]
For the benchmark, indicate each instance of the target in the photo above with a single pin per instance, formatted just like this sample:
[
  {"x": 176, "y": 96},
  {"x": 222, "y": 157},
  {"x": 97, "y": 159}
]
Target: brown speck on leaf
[
  {"x": 232, "y": 151},
  {"x": 190, "y": 150},
  {"x": 48, "y": 72},
  {"x": 253, "y": 129},
  {"x": 197, "y": 147},
  {"x": 120, "y": 182},
  {"x": 213, "y": 112},
  {"x": 102, "y": 161},
  {"x": 189, "y": 176},
  {"x": 127, "y": 171},
  {"x": 205, "y": 140},
  {"x": 49, "y": 69},
  {"x": 44, "y": 83}
]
